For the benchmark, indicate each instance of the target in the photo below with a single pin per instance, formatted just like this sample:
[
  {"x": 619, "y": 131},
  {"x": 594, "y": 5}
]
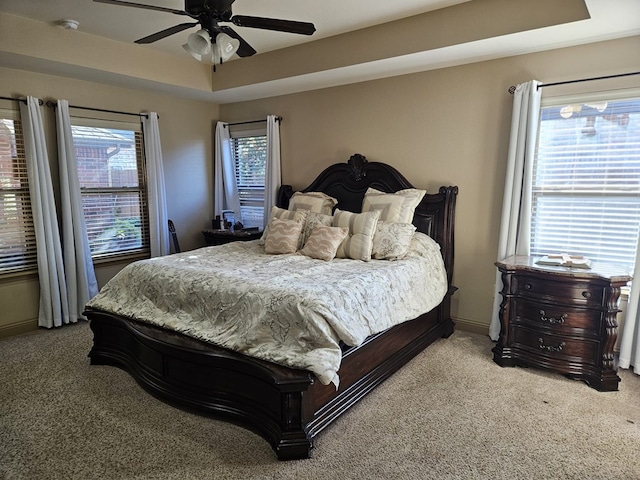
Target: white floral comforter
[{"x": 287, "y": 309}]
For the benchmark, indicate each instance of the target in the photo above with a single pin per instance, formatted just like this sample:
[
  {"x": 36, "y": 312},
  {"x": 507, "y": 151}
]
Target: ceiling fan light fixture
[
  {"x": 195, "y": 55},
  {"x": 198, "y": 43},
  {"x": 226, "y": 47}
]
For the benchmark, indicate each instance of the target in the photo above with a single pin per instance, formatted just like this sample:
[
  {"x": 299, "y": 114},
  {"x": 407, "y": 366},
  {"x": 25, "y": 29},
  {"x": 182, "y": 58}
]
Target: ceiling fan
[{"x": 214, "y": 41}]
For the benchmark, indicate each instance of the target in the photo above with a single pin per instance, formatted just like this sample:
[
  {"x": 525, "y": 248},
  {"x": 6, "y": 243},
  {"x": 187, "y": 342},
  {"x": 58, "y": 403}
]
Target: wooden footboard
[{"x": 287, "y": 407}]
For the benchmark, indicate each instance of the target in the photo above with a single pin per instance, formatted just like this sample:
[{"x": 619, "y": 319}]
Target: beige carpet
[{"x": 450, "y": 414}]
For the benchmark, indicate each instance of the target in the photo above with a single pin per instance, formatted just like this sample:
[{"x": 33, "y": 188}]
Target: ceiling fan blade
[
  {"x": 139, "y": 5},
  {"x": 290, "y": 26},
  {"x": 245, "y": 50},
  {"x": 165, "y": 33}
]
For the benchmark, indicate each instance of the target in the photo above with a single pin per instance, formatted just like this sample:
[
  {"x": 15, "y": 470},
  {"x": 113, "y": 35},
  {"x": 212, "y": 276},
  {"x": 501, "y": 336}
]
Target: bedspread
[{"x": 286, "y": 309}]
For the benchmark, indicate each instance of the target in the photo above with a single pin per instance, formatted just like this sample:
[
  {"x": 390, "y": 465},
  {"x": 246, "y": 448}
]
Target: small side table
[
  {"x": 220, "y": 237},
  {"x": 560, "y": 318}
]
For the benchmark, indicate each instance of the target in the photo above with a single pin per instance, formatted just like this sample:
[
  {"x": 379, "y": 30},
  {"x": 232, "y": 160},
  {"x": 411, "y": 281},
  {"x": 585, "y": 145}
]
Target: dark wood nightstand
[
  {"x": 220, "y": 237},
  {"x": 560, "y": 318}
]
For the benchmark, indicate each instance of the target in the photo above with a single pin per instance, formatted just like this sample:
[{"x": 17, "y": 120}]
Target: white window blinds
[
  {"x": 250, "y": 158},
  {"x": 111, "y": 170},
  {"x": 17, "y": 236},
  {"x": 586, "y": 181}
]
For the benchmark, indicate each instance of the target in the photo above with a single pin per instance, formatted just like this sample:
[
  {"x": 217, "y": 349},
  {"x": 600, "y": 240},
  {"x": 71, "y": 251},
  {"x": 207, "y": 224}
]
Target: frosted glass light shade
[
  {"x": 198, "y": 44},
  {"x": 227, "y": 46}
]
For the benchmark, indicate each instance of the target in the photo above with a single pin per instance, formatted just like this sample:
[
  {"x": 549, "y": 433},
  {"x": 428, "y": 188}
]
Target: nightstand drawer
[
  {"x": 574, "y": 293},
  {"x": 560, "y": 318},
  {"x": 557, "y": 346}
]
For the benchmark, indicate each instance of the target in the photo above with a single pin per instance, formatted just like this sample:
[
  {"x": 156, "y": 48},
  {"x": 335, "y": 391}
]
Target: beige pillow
[
  {"x": 317, "y": 202},
  {"x": 359, "y": 242},
  {"x": 391, "y": 240},
  {"x": 324, "y": 241},
  {"x": 313, "y": 220},
  {"x": 277, "y": 212},
  {"x": 391, "y": 209},
  {"x": 283, "y": 236}
]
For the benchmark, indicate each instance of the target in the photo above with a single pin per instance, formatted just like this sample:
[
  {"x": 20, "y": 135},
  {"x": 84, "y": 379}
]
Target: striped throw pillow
[{"x": 359, "y": 242}]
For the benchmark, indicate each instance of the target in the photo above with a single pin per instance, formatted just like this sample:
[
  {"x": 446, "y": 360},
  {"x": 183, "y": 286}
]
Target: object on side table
[
  {"x": 560, "y": 319},
  {"x": 229, "y": 218},
  {"x": 565, "y": 260}
]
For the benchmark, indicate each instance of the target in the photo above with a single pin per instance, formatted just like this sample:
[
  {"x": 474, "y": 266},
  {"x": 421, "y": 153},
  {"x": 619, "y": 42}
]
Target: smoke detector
[{"x": 69, "y": 24}]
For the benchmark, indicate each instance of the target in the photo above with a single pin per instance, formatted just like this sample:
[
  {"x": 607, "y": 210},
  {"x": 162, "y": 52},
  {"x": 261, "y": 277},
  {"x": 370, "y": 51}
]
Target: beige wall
[
  {"x": 186, "y": 130},
  {"x": 443, "y": 127}
]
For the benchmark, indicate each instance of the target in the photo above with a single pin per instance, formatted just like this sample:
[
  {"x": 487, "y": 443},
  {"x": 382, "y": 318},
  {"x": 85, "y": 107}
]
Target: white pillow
[
  {"x": 359, "y": 242},
  {"x": 391, "y": 209},
  {"x": 317, "y": 202},
  {"x": 391, "y": 240}
]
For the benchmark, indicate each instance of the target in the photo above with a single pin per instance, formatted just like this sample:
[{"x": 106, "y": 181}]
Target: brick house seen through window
[{"x": 111, "y": 173}]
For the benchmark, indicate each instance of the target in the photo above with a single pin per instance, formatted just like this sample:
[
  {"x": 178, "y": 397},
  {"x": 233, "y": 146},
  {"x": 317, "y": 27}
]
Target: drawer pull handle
[
  {"x": 552, "y": 320},
  {"x": 527, "y": 286},
  {"x": 586, "y": 294},
  {"x": 551, "y": 348}
]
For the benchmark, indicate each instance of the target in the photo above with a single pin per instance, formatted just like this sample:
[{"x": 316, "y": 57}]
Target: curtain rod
[
  {"x": 512, "y": 88},
  {"x": 278, "y": 119},
  {"x": 53, "y": 105},
  {"x": 40, "y": 102}
]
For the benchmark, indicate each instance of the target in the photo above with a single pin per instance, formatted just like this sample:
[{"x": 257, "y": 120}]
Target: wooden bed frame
[{"x": 287, "y": 407}]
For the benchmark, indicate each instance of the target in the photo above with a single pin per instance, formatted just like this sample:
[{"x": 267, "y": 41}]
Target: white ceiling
[{"x": 609, "y": 19}]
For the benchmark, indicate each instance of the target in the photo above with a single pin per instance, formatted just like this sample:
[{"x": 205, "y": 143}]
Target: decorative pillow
[
  {"x": 391, "y": 240},
  {"x": 317, "y": 202},
  {"x": 324, "y": 241},
  {"x": 283, "y": 236},
  {"x": 281, "y": 213},
  {"x": 362, "y": 226},
  {"x": 392, "y": 210},
  {"x": 314, "y": 219}
]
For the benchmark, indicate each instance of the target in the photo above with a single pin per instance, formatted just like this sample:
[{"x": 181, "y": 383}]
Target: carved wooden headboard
[{"x": 348, "y": 182}]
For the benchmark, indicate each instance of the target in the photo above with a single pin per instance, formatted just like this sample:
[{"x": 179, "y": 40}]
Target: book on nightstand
[{"x": 565, "y": 260}]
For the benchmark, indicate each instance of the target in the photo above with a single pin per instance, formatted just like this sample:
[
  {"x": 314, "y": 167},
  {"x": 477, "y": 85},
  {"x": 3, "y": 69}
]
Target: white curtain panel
[
  {"x": 515, "y": 226},
  {"x": 78, "y": 265},
  {"x": 54, "y": 309},
  {"x": 273, "y": 174},
  {"x": 158, "y": 218},
  {"x": 225, "y": 187},
  {"x": 630, "y": 334}
]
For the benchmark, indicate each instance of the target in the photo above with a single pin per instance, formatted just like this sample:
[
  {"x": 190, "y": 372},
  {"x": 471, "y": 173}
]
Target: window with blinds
[
  {"x": 17, "y": 235},
  {"x": 111, "y": 168},
  {"x": 586, "y": 181},
  {"x": 250, "y": 158}
]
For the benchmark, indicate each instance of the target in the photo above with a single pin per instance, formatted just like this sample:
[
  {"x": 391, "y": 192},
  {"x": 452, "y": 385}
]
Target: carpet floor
[{"x": 61, "y": 418}]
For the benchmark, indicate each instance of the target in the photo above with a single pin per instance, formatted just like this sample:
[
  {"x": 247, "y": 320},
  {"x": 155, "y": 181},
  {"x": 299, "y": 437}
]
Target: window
[
  {"x": 250, "y": 158},
  {"x": 586, "y": 181},
  {"x": 112, "y": 182},
  {"x": 17, "y": 235}
]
